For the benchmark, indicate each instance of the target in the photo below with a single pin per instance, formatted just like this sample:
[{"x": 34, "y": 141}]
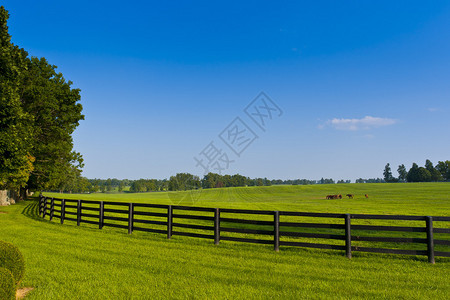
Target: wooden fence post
[
  {"x": 276, "y": 230},
  {"x": 44, "y": 209},
  {"x": 130, "y": 217},
  {"x": 169, "y": 221},
  {"x": 63, "y": 210},
  {"x": 348, "y": 236},
  {"x": 78, "y": 212},
  {"x": 40, "y": 204},
  {"x": 430, "y": 241},
  {"x": 52, "y": 208},
  {"x": 216, "y": 226},
  {"x": 101, "y": 214}
]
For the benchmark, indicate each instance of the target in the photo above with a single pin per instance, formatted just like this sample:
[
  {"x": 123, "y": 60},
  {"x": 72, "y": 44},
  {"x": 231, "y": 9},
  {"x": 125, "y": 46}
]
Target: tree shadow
[{"x": 31, "y": 210}]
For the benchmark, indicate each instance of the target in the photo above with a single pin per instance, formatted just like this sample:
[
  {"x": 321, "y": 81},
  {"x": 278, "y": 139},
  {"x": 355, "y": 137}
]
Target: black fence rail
[{"x": 261, "y": 227}]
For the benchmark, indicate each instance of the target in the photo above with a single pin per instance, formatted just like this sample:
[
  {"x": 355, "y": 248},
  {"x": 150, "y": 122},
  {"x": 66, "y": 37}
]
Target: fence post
[
  {"x": 101, "y": 214},
  {"x": 216, "y": 226},
  {"x": 44, "y": 209},
  {"x": 130, "y": 217},
  {"x": 276, "y": 230},
  {"x": 348, "y": 236},
  {"x": 78, "y": 212},
  {"x": 41, "y": 201},
  {"x": 430, "y": 241},
  {"x": 52, "y": 208},
  {"x": 169, "y": 221},
  {"x": 63, "y": 210}
]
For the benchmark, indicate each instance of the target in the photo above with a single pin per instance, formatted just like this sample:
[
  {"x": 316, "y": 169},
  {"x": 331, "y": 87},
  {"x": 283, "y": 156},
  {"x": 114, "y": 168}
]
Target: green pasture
[
  {"x": 388, "y": 198},
  {"x": 70, "y": 262},
  {"x": 400, "y": 199}
]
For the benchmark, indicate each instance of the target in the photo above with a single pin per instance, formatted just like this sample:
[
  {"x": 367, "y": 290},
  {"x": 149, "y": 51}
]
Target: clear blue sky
[{"x": 359, "y": 84}]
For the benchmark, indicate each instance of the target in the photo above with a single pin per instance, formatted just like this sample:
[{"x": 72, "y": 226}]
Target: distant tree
[
  {"x": 388, "y": 173},
  {"x": 424, "y": 175},
  {"x": 402, "y": 173},
  {"x": 183, "y": 182},
  {"x": 435, "y": 175},
  {"x": 413, "y": 173},
  {"x": 108, "y": 184},
  {"x": 444, "y": 168}
]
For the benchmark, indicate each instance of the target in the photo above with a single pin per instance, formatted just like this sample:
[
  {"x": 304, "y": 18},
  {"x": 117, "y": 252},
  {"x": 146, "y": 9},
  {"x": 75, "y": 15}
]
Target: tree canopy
[{"x": 39, "y": 111}]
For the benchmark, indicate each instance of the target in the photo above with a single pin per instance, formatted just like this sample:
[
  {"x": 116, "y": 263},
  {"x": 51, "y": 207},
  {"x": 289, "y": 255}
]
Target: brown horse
[
  {"x": 350, "y": 196},
  {"x": 367, "y": 196},
  {"x": 339, "y": 196}
]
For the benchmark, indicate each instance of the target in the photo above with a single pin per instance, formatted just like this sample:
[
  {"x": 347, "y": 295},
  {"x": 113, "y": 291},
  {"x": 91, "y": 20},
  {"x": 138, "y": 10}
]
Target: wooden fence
[{"x": 259, "y": 226}]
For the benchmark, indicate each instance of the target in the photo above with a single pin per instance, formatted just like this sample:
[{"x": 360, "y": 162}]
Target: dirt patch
[
  {"x": 23, "y": 292},
  {"x": 3, "y": 212}
]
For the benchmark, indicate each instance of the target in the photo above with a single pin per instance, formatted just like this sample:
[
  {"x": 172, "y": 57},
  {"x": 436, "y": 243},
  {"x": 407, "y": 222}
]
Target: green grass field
[
  {"x": 70, "y": 262},
  {"x": 394, "y": 198}
]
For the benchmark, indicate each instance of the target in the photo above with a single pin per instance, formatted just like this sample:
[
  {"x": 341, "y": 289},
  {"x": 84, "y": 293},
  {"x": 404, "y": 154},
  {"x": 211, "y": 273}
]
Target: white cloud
[
  {"x": 365, "y": 123},
  {"x": 433, "y": 109}
]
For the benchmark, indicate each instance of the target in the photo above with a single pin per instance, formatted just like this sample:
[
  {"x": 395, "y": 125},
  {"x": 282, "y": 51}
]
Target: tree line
[
  {"x": 39, "y": 111},
  {"x": 178, "y": 182},
  {"x": 187, "y": 181},
  {"x": 427, "y": 173}
]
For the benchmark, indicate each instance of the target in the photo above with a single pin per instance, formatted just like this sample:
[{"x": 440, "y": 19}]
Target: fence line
[{"x": 132, "y": 216}]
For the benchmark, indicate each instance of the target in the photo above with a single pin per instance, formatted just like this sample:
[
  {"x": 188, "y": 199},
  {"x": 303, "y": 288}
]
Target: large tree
[
  {"x": 39, "y": 111},
  {"x": 16, "y": 162}
]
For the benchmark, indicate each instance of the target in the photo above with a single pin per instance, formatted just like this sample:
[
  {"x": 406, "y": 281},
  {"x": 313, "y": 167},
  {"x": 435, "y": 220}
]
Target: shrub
[
  {"x": 12, "y": 259},
  {"x": 7, "y": 285}
]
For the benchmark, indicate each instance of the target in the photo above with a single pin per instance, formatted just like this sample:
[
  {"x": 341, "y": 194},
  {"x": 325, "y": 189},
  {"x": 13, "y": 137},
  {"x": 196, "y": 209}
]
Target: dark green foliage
[
  {"x": 427, "y": 173},
  {"x": 444, "y": 168},
  {"x": 388, "y": 174},
  {"x": 184, "y": 182},
  {"x": 15, "y": 160},
  {"x": 7, "y": 285},
  {"x": 424, "y": 175},
  {"x": 402, "y": 173},
  {"x": 11, "y": 258},
  {"x": 435, "y": 175},
  {"x": 38, "y": 114},
  {"x": 413, "y": 173},
  {"x": 52, "y": 103}
]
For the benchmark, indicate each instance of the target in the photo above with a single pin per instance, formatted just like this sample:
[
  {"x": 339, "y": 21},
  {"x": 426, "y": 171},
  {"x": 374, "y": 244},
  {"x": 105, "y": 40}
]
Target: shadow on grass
[{"x": 31, "y": 210}]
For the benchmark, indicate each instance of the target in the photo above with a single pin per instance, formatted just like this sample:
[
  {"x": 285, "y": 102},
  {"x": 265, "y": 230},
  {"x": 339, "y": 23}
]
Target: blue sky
[{"x": 359, "y": 83}]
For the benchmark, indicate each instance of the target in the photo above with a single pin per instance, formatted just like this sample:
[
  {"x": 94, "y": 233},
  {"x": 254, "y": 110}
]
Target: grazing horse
[
  {"x": 367, "y": 196},
  {"x": 350, "y": 196},
  {"x": 339, "y": 196}
]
